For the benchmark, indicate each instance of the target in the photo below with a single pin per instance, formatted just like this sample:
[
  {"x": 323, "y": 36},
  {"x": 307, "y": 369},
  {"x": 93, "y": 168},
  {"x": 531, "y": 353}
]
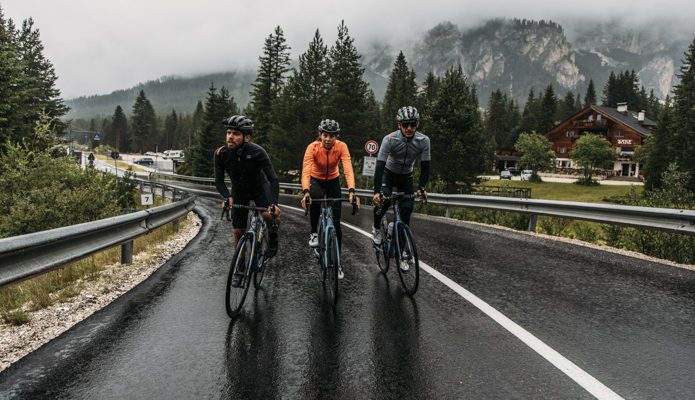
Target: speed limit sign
[{"x": 371, "y": 147}]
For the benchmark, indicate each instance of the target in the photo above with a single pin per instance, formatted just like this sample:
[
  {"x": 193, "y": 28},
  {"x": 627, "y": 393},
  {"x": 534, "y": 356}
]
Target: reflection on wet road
[{"x": 171, "y": 337}]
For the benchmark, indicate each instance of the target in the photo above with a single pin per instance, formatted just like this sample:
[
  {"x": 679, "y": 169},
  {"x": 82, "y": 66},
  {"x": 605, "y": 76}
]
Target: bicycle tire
[
  {"x": 382, "y": 252},
  {"x": 261, "y": 261},
  {"x": 409, "y": 279},
  {"x": 331, "y": 268},
  {"x": 235, "y": 296}
]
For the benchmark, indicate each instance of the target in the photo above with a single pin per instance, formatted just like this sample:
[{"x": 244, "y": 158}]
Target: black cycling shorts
[{"x": 240, "y": 215}]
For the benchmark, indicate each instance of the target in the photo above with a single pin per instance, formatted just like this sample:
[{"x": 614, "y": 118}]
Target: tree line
[{"x": 287, "y": 104}]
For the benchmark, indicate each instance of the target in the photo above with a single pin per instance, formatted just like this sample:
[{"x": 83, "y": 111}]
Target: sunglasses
[{"x": 409, "y": 124}]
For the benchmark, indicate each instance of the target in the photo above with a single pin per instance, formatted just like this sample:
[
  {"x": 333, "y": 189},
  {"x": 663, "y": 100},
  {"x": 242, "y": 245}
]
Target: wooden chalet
[{"x": 623, "y": 128}]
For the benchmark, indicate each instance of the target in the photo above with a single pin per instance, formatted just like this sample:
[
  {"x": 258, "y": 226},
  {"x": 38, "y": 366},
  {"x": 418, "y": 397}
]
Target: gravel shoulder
[{"x": 115, "y": 280}]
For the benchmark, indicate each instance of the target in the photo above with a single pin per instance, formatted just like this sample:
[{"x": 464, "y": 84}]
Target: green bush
[
  {"x": 43, "y": 189},
  {"x": 670, "y": 246},
  {"x": 586, "y": 231}
]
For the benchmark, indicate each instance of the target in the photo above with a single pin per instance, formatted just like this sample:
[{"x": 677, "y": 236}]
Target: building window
[
  {"x": 619, "y": 133},
  {"x": 562, "y": 149},
  {"x": 627, "y": 149},
  {"x": 570, "y": 134}
]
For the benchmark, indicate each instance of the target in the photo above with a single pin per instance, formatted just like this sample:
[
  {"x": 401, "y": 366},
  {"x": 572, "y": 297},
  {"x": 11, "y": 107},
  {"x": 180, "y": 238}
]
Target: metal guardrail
[
  {"x": 28, "y": 255},
  {"x": 665, "y": 219}
]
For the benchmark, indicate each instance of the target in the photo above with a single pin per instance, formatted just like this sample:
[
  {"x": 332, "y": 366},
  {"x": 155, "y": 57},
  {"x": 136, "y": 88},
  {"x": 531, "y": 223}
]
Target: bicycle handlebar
[
  {"x": 355, "y": 209},
  {"x": 398, "y": 196},
  {"x": 227, "y": 210}
]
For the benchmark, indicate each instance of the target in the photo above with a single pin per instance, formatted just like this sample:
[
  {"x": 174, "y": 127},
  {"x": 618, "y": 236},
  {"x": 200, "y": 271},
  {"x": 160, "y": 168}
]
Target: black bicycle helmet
[
  {"x": 239, "y": 123},
  {"x": 329, "y": 126},
  {"x": 407, "y": 113}
]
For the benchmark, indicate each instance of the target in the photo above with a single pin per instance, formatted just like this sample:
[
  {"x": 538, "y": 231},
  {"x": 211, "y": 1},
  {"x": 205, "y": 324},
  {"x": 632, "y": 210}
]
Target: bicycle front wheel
[
  {"x": 331, "y": 268},
  {"x": 407, "y": 261},
  {"x": 242, "y": 263}
]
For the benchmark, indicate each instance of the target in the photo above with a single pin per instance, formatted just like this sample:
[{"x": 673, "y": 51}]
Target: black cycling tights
[
  {"x": 331, "y": 189},
  {"x": 404, "y": 183}
]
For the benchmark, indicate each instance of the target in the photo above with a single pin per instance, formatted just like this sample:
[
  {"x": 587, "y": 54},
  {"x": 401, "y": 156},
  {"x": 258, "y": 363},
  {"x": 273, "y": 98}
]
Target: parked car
[
  {"x": 526, "y": 174},
  {"x": 144, "y": 161},
  {"x": 505, "y": 175}
]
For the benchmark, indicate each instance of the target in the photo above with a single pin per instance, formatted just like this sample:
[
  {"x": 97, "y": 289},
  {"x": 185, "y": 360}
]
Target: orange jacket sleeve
[
  {"x": 347, "y": 166},
  {"x": 307, "y": 165}
]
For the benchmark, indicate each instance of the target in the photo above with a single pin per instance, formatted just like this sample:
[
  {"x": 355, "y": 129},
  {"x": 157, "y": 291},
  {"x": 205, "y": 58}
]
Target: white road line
[{"x": 588, "y": 382}]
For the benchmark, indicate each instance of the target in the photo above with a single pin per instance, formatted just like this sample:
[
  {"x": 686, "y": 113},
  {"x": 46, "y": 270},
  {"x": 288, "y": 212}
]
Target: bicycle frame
[
  {"x": 325, "y": 226},
  {"x": 393, "y": 240},
  {"x": 256, "y": 228}
]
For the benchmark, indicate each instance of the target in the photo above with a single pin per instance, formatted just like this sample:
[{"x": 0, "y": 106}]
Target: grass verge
[{"x": 62, "y": 284}]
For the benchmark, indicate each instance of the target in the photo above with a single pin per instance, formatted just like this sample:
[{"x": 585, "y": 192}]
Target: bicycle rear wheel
[
  {"x": 242, "y": 261},
  {"x": 382, "y": 252},
  {"x": 261, "y": 261},
  {"x": 406, "y": 256},
  {"x": 331, "y": 268}
]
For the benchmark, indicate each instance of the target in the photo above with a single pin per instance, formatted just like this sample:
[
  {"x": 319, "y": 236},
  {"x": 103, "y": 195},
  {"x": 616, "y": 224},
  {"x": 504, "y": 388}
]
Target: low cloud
[{"x": 97, "y": 47}]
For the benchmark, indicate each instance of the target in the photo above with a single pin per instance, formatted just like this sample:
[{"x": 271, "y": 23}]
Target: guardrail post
[
  {"x": 447, "y": 213},
  {"x": 127, "y": 252},
  {"x": 533, "y": 218}
]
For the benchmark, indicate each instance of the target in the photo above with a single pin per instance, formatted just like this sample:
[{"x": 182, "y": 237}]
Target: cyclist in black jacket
[
  {"x": 252, "y": 176},
  {"x": 394, "y": 166}
]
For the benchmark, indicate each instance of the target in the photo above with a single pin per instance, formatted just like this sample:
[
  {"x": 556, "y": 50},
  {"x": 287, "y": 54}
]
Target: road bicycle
[
  {"x": 397, "y": 243},
  {"x": 249, "y": 258},
  {"x": 328, "y": 251}
]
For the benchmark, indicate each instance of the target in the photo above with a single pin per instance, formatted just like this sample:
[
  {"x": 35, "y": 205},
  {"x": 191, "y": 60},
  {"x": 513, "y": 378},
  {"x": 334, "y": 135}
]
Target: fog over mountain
[{"x": 510, "y": 54}]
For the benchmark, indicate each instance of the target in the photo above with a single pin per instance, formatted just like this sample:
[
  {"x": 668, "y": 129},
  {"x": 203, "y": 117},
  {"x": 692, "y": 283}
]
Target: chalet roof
[{"x": 630, "y": 119}]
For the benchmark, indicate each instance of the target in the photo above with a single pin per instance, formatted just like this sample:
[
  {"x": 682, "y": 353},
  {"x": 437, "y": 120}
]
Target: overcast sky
[{"x": 98, "y": 46}]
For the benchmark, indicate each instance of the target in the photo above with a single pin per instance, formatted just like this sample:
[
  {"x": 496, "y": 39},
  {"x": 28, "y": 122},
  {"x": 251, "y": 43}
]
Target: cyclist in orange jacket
[{"x": 320, "y": 175}]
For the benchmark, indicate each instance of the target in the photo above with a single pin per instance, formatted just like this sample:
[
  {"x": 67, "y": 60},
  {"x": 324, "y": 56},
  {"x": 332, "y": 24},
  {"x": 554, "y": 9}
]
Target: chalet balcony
[{"x": 592, "y": 125}]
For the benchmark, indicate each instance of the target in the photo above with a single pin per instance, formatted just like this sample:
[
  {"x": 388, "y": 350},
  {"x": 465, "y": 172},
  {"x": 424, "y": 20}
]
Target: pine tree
[
  {"x": 530, "y": 116},
  {"x": 300, "y": 107},
  {"x": 658, "y": 150},
  {"x": 274, "y": 65},
  {"x": 496, "y": 124},
  {"x": 119, "y": 130},
  {"x": 197, "y": 123},
  {"x": 513, "y": 118},
  {"x": 590, "y": 97},
  {"x": 401, "y": 91},
  {"x": 565, "y": 108},
  {"x": 454, "y": 128},
  {"x": 578, "y": 103},
  {"x": 548, "y": 110},
  {"x": 40, "y": 80},
  {"x": 171, "y": 123},
  {"x": 429, "y": 92},
  {"x": 653, "y": 107},
  {"x": 143, "y": 125},
  {"x": 623, "y": 88},
  {"x": 349, "y": 95},
  {"x": 610, "y": 98},
  {"x": 10, "y": 81},
  {"x": 106, "y": 136},
  {"x": 683, "y": 125},
  {"x": 211, "y": 135}
]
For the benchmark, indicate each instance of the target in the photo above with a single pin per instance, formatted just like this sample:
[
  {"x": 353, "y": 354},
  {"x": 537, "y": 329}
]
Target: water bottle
[{"x": 389, "y": 230}]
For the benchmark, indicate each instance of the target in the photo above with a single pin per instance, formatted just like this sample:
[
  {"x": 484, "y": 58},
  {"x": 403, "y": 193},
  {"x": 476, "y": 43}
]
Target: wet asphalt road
[{"x": 628, "y": 323}]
